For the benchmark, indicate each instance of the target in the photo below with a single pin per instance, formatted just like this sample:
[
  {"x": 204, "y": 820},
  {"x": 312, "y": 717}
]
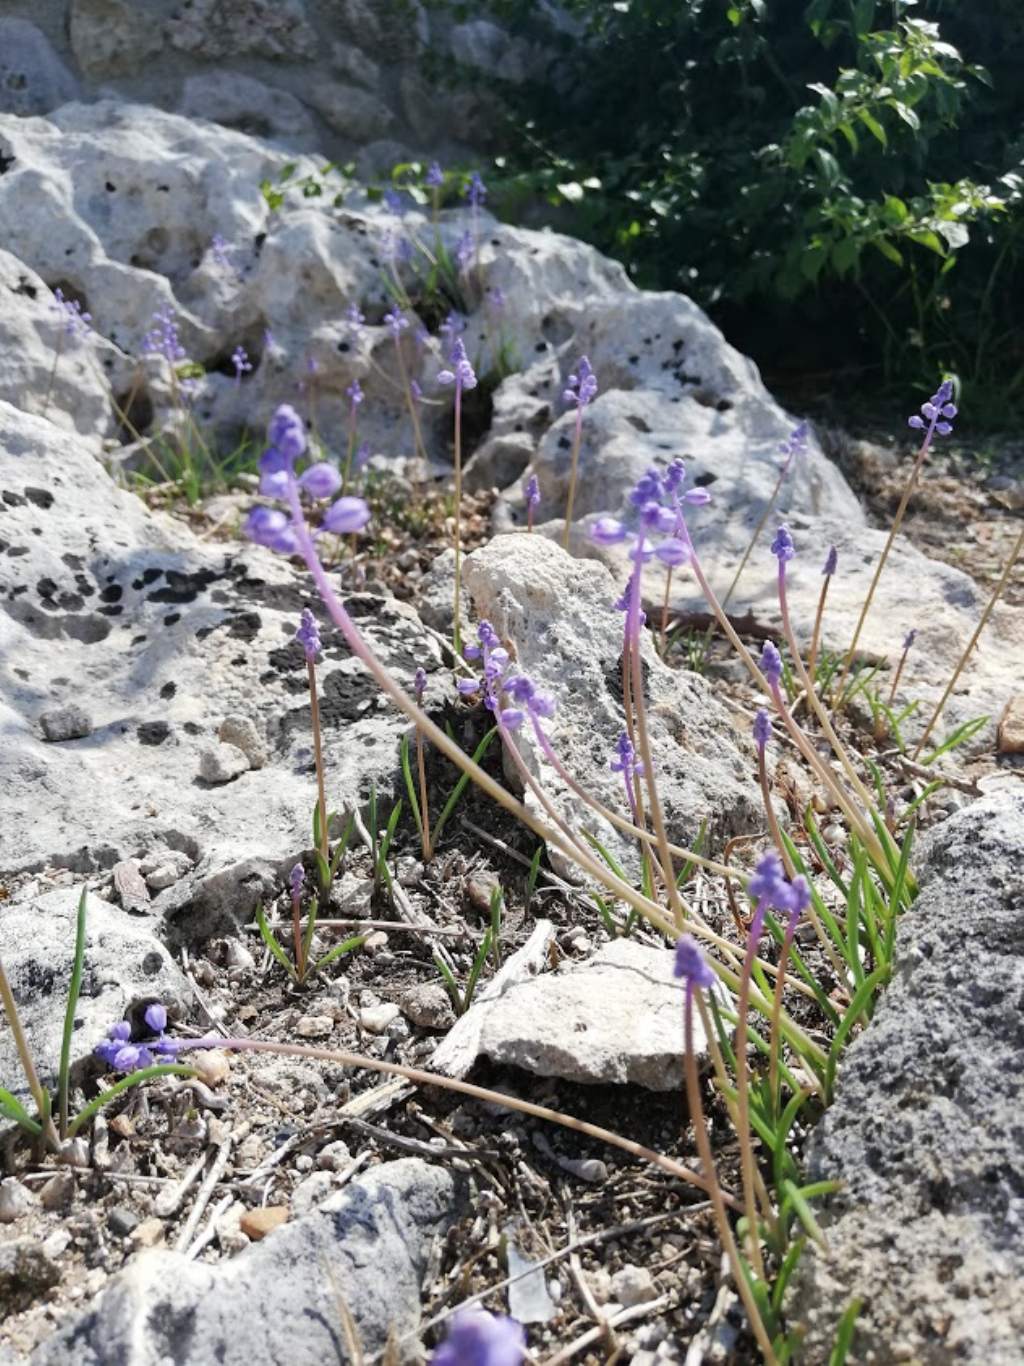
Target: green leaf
[
  {"x": 410, "y": 786},
  {"x": 887, "y": 249},
  {"x": 355, "y": 941},
  {"x": 460, "y": 787},
  {"x": 959, "y": 737},
  {"x": 844, "y": 1334},
  {"x": 895, "y": 209},
  {"x": 12, "y": 1107},
  {"x": 907, "y": 114},
  {"x": 270, "y": 939},
  {"x": 168, "y": 1069},
  {"x": 873, "y": 126},
  {"x": 74, "y": 989}
]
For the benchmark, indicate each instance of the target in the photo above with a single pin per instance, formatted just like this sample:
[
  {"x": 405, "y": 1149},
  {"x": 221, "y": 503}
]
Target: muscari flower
[
  {"x": 435, "y": 176},
  {"x": 76, "y": 322},
  {"x": 476, "y": 190},
  {"x": 911, "y": 636},
  {"x": 762, "y": 728},
  {"x": 396, "y": 322},
  {"x": 768, "y": 886},
  {"x": 163, "y": 338},
  {"x": 831, "y": 562},
  {"x": 308, "y": 635},
  {"x": 497, "y": 679},
  {"x": 531, "y": 491},
  {"x": 796, "y": 443},
  {"x": 461, "y": 373},
  {"x": 240, "y": 360},
  {"x": 477, "y": 1338},
  {"x": 355, "y": 317},
  {"x": 650, "y": 518},
  {"x": 782, "y": 547},
  {"x": 394, "y": 201},
  {"x": 296, "y": 879},
  {"x": 419, "y": 684},
  {"x": 464, "y": 250},
  {"x": 625, "y": 760},
  {"x": 355, "y": 393},
  {"x": 937, "y": 413},
  {"x": 771, "y": 664},
  {"x": 581, "y": 387},
  {"x": 278, "y": 478},
  {"x": 691, "y": 965},
  {"x": 453, "y": 324}
]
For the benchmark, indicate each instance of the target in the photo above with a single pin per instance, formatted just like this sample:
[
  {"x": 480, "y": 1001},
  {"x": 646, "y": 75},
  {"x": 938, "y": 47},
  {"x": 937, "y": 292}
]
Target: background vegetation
[{"x": 838, "y": 182}]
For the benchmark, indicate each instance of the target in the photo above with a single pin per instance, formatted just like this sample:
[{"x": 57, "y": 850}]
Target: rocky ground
[{"x": 157, "y": 750}]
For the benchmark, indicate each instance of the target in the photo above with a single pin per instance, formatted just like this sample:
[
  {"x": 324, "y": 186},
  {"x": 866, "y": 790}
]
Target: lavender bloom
[
  {"x": 163, "y": 338},
  {"x": 782, "y": 547},
  {"x": 675, "y": 476},
  {"x": 691, "y": 964},
  {"x": 355, "y": 317},
  {"x": 396, "y": 322},
  {"x": 477, "y": 1338},
  {"x": 287, "y": 433},
  {"x": 76, "y": 323},
  {"x": 768, "y": 884},
  {"x": 531, "y": 491},
  {"x": 795, "y": 444},
  {"x": 461, "y": 374},
  {"x": 625, "y": 760},
  {"x": 308, "y": 635},
  {"x": 346, "y": 516},
  {"x": 831, "y": 562},
  {"x": 240, "y": 360},
  {"x": 296, "y": 879},
  {"x": 476, "y": 190},
  {"x": 581, "y": 388},
  {"x": 434, "y": 176},
  {"x": 911, "y": 636},
  {"x": 394, "y": 201},
  {"x": 156, "y": 1017},
  {"x": 219, "y": 250},
  {"x": 937, "y": 413},
  {"x": 453, "y": 324},
  {"x": 320, "y": 480},
  {"x": 419, "y": 684},
  {"x": 762, "y": 729},
  {"x": 799, "y": 898},
  {"x": 771, "y": 664},
  {"x": 496, "y": 680},
  {"x": 464, "y": 250},
  {"x": 355, "y": 393},
  {"x": 269, "y": 527}
]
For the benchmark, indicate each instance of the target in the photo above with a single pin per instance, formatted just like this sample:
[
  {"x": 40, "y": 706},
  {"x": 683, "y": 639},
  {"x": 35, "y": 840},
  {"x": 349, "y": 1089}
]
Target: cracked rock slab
[{"x": 925, "y": 1132}]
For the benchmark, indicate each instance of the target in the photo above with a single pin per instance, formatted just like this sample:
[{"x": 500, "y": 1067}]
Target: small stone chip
[
  {"x": 131, "y": 887},
  {"x": 222, "y": 763},
  {"x": 257, "y": 1223},
  {"x": 314, "y": 1026},
  {"x": 65, "y": 723},
  {"x": 1011, "y": 727}
]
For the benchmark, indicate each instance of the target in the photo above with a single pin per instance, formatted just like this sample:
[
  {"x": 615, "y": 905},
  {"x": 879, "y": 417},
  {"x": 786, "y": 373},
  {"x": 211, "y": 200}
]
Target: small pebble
[
  {"x": 479, "y": 889},
  {"x": 314, "y": 1026},
  {"x": 56, "y": 1192},
  {"x": 148, "y": 1233},
  {"x": 213, "y": 1066},
  {"x": 257, "y": 1223},
  {"x": 375, "y": 1019},
  {"x": 15, "y": 1200},
  {"x": 633, "y": 1285},
  {"x": 429, "y": 1006},
  {"x": 57, "y": 1243},
  {"x": 65, "y": 723},
  {"x": 74, "y": 1153},
  {"x": 240, "y": 732},
  {"x": 122, "y": 1221},
  {"x": 131, "y": 888},
  {"x": 236, "y": 955},
  {"x": 375, "y": 942},
  {"x": 171, "y": 868},
  {"x": 334, "y": 1157},
  {"x": 221, "y": 763}
]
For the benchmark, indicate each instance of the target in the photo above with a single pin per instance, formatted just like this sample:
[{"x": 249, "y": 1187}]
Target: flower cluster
[
  {"x": 769, "y": 887},
  {"x": 76, "y": 323},
  {"x": 771, "y": 664},
  {"x": 163, "y": 338},
  {"x": 476, "y": 190},
  {"x": 464, "y": 250},
  {"x": 691, "y": 964},
  {"x": 831, "y": 562},
  {"x": 937, "y": 414},
  {"x": 119, "y": 1052},
  {"x": 498, "y": 678},
  {"x": 782, "y": 547},
  {"x": 396, "y": 322},
  {"x": 581, "y": 387},
  {"x": 308, "y": 635},
  {"x": 656, "y": 511},
  {"x": 477, "y": 1338},
  {"x": 434, "y": 176},
  {"x": 531, "y": 491},
  {"x": 461, "y": 374},
  {"x": 278, "y": 479},
  {"x": 795, "y": 444},
  {"x": 240, "y": 360},
  {"x": 762, "y": 729}
]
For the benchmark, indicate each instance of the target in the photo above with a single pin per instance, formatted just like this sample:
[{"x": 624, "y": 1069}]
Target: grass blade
[
  {"x": 460, "y": 787},
  {"x": 273, "y": 944},
  {"x": 346, "y": 946},
  {"x": 74, "y": 991},
  {"x": 163, "y": 1069},
  {"x": 12, "y": 1107}
]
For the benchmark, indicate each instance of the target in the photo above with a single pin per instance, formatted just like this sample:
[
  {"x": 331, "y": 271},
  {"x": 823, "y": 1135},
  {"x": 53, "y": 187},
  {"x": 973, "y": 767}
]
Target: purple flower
[
  {"x": 691, "y": 964},
  {"x": 477, "y": 1338},
  {"x": 240, "y": 360},
  {"x": 287, "y": 433},
  {"x": 768, "y": 884},
  {"x": 497, "y": 297},
  {"x": 419, "y": 684},
  {"x": 464, "y": 250},
  {"x": 355, "y": 317},
  {"x": 675, "y": 476},
  {"x": 320, "y": 480},
  {"x": 346, "y": 516},
  {"x": 762, "y": 729},
  {"x": 937, "y": 413},
  {"x": 394, "y": 201},
  {"x": 771, "y": 664},
  {"x": 163, "y": 338},
  {"x": 76, "y": 323},
  {"x": 523, "y": 689},
  {"x": 581, "y": 388},
  {"x": 156, "y": 1018},
  {"x": 296, "y": 879},
  {"x": 782, "y": 547},
  {"x": 461, "y": 374},
  {"x": 799, "y": 898},
  {"x": 271, "y": 528},
  {"x": 911, "y": 636},
  {"x": 355, "y": 393},
  {"x": 453, "y": 324},
  {"x": 796, "y": 443},
  {"x": 308, "y": 635},
  {"x": 625, "y": 760},
  {"x": 831, "y": 562},
  {"x": 531, "y": 491},
  {"x": 415, "y": 392},
  {"x": 476, "y": 190},
  {"x": 435, "y": 176},
  {"x": 396, "y": 322}
]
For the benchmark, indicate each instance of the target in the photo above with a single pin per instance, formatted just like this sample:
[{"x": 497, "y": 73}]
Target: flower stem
[
  {"x": 53, "y": 370},
  {"x": 314, "y": 714},
  {"x": 743, "y": 1094},
  {"x": 812, "y": 654},
  {"x": 424, "y": 809},
  {"x": 10, "y": 1009},
  {"x": 457, "y": 624},
  {"x": 571, "y": 498}
]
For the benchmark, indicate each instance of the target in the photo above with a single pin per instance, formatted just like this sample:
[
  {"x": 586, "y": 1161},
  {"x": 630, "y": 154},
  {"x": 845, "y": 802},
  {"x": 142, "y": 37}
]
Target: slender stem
[
  {"x": 770, "y": 816},
  {"x": 898, "y": 674},
  {"x": 53, "y": 369},
  {"x": 590, "y": 865},
  {"x": 908, "y": 489},
  {"x": 714, "y": 1190},
  {"x": 410, "y": 403},
  {"x": 300, "y": 970},
  {"x": 996, "y": 593},
  {"x": 424, "y": 811},
  {"x": 457, "y": 628},
  {"x": 812, "y": 653},
  {"x": 757, "y": 532},
  {"x": 25, "y": 1056},
  {"x": 572, "y": 475},
  {"x": 664, "y": 608},
  {"x": 314, "y": 715},
  {"x": 352, "y": 425},
  {"x": 780, "y": 982},
  {"x": 743, "y": 1093}
]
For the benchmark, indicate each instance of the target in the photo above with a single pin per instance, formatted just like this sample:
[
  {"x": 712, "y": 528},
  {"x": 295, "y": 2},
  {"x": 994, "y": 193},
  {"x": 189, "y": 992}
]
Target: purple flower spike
[
  {"x": 396, "y": 322},
  {"x": 771, "y": 664},
  {"x": 477, "y": 1338},
  {"x": 911, "y": 636},
  {"x": 269, "y": 527},
  {"x": 76, "y": 323},
  {"x": 296, "y": 878},
  {"x": 462, "y": 374},
  {"x": 240, "y": 360},
  {"x": 320, "y": 480},
  {"x": 419, "y": 684},
  {"x": 762, "y": 729},
  {"x": 831, "y": 562},
  {"x": 937, "y": 413},
  {"x": 355, "y": 317},
  {"x": 476, "y": 190},
  {"x": 308, "y": 635},
  {"x": 435, "y": 176},
  {"x": 156, "y": 1018},
  {"x": 799, "y": 898},
  {"x": 691, "y": 964},
  {"x": 531, "y": 491},
  {"x": 355, "y": 393},
  {"x": 220, "y": 250},
  {"x": 464, "y": 250},
  {"x": 581, "y": 388},
  {"x": 769, "y": 882},
  {"x": 287, "y": 433},
  {"x": 796, "y": 443},
  {"x": 132, "y": 1056},
  {"x": 782, "y": 547},
  {"x": 394, "y": 201},
  {"x": 346, "y": 515}
]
